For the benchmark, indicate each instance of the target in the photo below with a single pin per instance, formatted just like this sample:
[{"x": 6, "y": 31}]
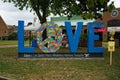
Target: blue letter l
[{"x": 21, "y": 48}]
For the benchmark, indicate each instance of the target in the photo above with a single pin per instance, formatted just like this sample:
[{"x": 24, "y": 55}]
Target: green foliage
[
  {"x": 26, "y": 38},
  {"x": 65, "y": 7},
  {"x": 12, "y": 36},
  {"x": 84, "y": 37},
  {"x": 94, "y": 8},
  {"x": 87, "y": 8}
]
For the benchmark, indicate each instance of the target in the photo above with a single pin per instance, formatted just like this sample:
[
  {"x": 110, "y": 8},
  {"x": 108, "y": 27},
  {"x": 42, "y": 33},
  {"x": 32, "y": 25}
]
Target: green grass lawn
[
  {"x": 13, "y": 68},
  {"x": 10, "y": 42}
]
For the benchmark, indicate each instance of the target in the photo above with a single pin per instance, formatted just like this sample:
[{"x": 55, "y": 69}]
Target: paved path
[
  {"x": 4, "y": 78},
  {"x": 9, "y": 46}
]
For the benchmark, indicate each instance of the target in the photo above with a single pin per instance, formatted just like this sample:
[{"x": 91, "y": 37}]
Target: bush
[
  {"x": 12, "y": 36},
  {"x": 84, "y": 37}
]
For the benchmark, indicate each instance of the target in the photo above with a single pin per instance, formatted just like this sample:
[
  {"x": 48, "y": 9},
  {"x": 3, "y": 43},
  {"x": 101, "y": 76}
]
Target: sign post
[
  {"x": 111, "y": 45},
  {"x": 111, "y": 58},
  {"x": 111, "y": 49}
]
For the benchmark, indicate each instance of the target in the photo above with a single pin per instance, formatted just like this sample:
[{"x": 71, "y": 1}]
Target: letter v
[{"x": 73, "y": 39}]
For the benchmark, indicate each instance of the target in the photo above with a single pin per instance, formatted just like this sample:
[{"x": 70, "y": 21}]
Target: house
[
  {"x": 6, "y": 30},
  {"x": 3, "y": 30}
]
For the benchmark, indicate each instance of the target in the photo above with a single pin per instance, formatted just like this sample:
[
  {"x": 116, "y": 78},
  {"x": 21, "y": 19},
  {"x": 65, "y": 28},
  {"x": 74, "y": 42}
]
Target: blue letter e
[{"x": 92, "y": 37}]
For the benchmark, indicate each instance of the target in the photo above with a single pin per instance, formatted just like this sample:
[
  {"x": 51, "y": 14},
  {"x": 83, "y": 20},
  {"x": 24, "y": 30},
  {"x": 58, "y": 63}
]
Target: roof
[
  {"x": 2, "y": 22},
  {"x": 65, "y": 18},
  {"x": 61, "y": 20}
]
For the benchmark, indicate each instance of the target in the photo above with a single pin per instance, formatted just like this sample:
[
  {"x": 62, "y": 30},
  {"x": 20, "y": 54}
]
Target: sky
[{"x": 11, "y": 14}]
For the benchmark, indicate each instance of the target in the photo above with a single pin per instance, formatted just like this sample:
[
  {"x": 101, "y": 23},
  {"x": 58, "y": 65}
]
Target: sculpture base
[{"x": 60, "y": 55}]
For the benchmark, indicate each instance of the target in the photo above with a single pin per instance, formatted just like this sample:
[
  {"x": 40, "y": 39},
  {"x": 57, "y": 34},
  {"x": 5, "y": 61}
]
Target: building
[
  {"x": 3, "y": 29},
  {"x": 6, "y": 30},
  {"x": 112, "y": 22},
  {"x": 110, "y": 19}
]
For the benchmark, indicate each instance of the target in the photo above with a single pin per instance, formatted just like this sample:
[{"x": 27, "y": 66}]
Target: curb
[{"x": 4, "y": 78}]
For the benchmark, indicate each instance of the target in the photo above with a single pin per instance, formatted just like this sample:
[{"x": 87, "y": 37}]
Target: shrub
[{"x": 12, "y": 36}]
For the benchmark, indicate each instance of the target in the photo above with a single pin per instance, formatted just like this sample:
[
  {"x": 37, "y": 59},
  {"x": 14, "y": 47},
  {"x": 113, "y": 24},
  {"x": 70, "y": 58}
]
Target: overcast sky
[{"x": 11, "y": 14}]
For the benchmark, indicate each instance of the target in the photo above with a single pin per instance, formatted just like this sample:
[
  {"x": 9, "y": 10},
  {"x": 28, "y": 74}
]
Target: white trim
[{"x": 116, "y": 29}]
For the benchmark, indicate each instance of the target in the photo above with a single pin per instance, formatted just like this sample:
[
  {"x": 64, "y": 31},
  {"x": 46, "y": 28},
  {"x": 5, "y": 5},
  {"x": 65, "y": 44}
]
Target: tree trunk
[
  {"x": 41, "y": 18},
  {"x": 44, "y": 15}
]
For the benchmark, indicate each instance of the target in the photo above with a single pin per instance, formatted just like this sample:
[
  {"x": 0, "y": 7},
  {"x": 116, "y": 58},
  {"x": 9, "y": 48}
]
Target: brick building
[
  {"x": 110, "y": 19},
  {"x": 112, "y": 22},
  {"x": 3, "y": 29}
]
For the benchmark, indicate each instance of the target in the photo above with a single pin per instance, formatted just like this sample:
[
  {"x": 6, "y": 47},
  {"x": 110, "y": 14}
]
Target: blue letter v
[{"x": 73, "y": 39}]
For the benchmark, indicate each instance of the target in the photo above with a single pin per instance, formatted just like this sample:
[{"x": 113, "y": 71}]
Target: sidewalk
[
  {"x": 4, "y": 78},
  {"x": 9, "y": 46}
]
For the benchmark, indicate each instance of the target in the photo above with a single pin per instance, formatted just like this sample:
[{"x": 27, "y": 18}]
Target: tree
[
  {"x": 43, "y": 8},
  {"x": 94, "y": 8},
  {"x": 89, "y": 9}
]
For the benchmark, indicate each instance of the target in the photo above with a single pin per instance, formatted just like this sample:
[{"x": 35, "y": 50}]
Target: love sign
[{"x": 54, "y": 39}]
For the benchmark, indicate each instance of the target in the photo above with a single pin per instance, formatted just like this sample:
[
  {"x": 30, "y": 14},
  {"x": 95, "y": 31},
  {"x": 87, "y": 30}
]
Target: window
[{"x": 5, "y": 31}]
